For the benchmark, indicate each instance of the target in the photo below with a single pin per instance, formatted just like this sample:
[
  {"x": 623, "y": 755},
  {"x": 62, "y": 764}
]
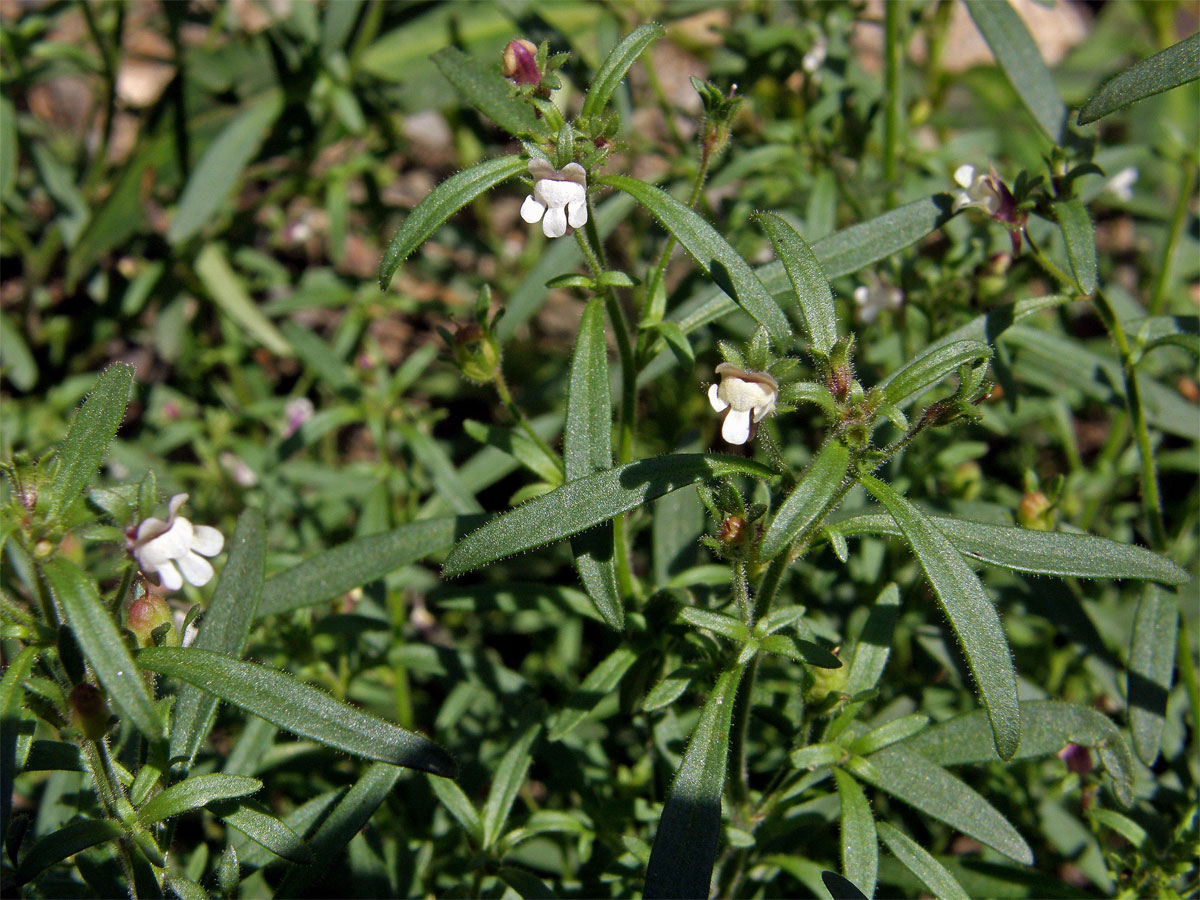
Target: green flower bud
[
  {"x": 476, "y": 353},
  {"x": 150, "y": 617}
]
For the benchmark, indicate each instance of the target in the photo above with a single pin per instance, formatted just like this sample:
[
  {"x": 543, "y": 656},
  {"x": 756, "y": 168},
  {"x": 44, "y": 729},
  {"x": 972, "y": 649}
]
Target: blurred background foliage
[{"x": 204, "y": 189}]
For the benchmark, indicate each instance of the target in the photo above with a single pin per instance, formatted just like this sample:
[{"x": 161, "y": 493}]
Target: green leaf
[
  {"x": 227, "y": 291},
  {"x": 816, "y": 756},
  {"x": 1017, "y": 55},
  {"x": 1170, "y": 68},
  {"x": 908, "y": 384},
  {"x": 972, "y": 615},
  {"x": 1061, "y": 553},
  {"x": 580, "y": 504},
  {"x": 265, "y": 830},
  {"x": 860, "y": 846},
  {"x": 864, "y": 244},
  {"x": 889, "y": 733},
  {"x": 442, "y": 202},
  {"x": 334, "y": 572},
  {"x": 88, "y": 438},
  {"x": 929, "y": 788},
  {"x": 1151, "y": 667},
  {"x": 488, "y": 92},
  {"x": 446, "y": 480},
  {"x": 840, "y": 887},
  {"x": 874, "y": 644},
  {"x": 226, "y": 629},
  {"x": 12, "y": 684},
  {"x": 220, "y": 168},
  {"x": 297, "y": 707},
  {"x": 587, "y": 449},
  {"x": 64, "y": 843},
  {"x": 616, "y": 65},
  {"x": 102, "y": 644},
  {"x": 717, "y": 623},
  {"x": 1046, "y": 727},
  {"x": 598, "y": 684},
  {"x": 510, "y": 775},
  {"x": 1081, "y": 242},
  {"x": 685, "y": 846},
  {"x": 918, "y": 861},
  {"x": 712, "y": 253},
  {"x": 16, "y": 362},
  {"x": 8, "y": 147},
  {"x": 194, "y": 792},
  {"x": 458, "y": 805},
  {"x": 347, "y": 818},
  {"x": 808, "y": 503},
  {"x": 1122, "y": 825},
  {"x": 814, "y": 299},
  {"x": 1156, "y": 331}
]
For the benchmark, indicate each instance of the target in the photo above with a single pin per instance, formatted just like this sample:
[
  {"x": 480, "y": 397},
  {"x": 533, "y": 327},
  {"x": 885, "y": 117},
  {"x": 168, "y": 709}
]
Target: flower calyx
[
  {"x": 175, "y": 550},
  {"x": 559, "y": 197}
]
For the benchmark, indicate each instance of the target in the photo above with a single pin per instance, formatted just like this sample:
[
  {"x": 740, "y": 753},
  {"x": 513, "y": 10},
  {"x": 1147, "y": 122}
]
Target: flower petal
[
  {"x": 717, "y": 403},
  {"x": 761, "y": 412},
  {"x": 736, "y": 428},
  {"x": 554, "y": 225},
  {"x": 169, "y": 577},
  {"x": 557, "y": 194},
  {"x": 574, "y": 172},
  {"x": 532, "y": 211},
  {"x": 206, "y": 540},
  {"x": 173, "y": 507},
  {"x": 541, "y": 168},
  {"x": 150, "y": 529},
  {"x": 196, "y": 569},
  {"x": 964, "y": 175},
  {"x": 577, "y": 213}
]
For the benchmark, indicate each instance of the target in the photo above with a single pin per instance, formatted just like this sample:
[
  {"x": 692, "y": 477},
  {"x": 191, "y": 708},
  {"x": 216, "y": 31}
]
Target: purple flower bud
[{"x": 519, "y": 62}]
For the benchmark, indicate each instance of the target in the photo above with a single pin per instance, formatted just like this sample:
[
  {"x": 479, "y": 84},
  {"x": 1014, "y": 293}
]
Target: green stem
[
  {"x": 1151, "y": 498},
  {"x": 665, "y": 256},
  {"x": 739, "y": 773},
  {"x": 1046, "y": 263},
  {"x": 510, "y": 404},
  {"x": 1187, "y": 674},
  {"x": 894, "y": 43},
  {"x": 1178, "y": 217}
]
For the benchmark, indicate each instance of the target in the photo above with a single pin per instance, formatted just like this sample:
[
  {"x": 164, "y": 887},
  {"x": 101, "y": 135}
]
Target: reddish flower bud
[
  {"x": 146, "y": 615},
  {"x": 519, "y": 62},
  {"x": 1077, "y": 758},
  {"x": 89, "y": 711}
]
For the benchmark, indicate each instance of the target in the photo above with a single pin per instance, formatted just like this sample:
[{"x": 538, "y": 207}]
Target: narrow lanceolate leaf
[
  {"x": 221, "y": 166},
  {"x": 1046, "y": 727},
  {"x": 88, "y": 438},
  {"x": 228, "y": 293},
  {"x": 194, "y": 792},
  {"x": 685, "y": 845},
  {"x": 264, "y": 829},
  {"x": 587, "y": 449},
  {"x": 599, "y": 683},
  {"x": 1151, "y": 667},
  {"x": 225, "y": 629},
  {"x": 808, "y": 503},
  {"x": 510, "y": 775},
  {"x": 1017, "y": 55},
  {"x": 613, "y": 69},
  {"x": 907, "y": 385},
  {"x": 297, "y": 707},
  {"x": 345, "y": 820},
  {"x": 931, "y": 789},
  {"x": 1081, "y": 242},
  {"x": 861, "y": 245},
  {"x": 488, "y": 92},
  {"x": 354, "y": 563},
  {"x": 1155, "y": 331},
  {"x": 860, "y": 846},
  {"x": 101, "y": 643},
  {"x": 874, "y": 644},
  {"x": 64, "y": 843},
  {"x": 442, "y": 202},
  {"x": 1038, "y": 552},
  {"x": 1174, "y": 66},
  {"x": 841, "y": 887},
  {"x": 12, "y": 684},
  {"x": 974, "y": 619},
  {"x": 458, "y": 804},
  {"x": 580, "y": 504},
  {"x": 814, "y": 299},
  {"x": 919, "y": 861},
  {"x": 712, "y": 253}
]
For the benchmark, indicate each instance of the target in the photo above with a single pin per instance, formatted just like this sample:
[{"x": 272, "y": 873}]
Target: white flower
[
  {"x": 980, "y": 191},
  {"x": 559, "y": 197},
  {"x": 872, "y": 299},
  {"x": 298, "y": 410},
  {"x": 175, "y": 549},
  {"x": 812, "y": 60},
  {"x": 1121, "y": 184},
  {"x": 749, "y": 396}
]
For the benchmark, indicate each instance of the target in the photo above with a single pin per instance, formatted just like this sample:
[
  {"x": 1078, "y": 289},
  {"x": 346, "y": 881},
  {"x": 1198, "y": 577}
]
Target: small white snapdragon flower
[
  {"x": 1121, "y": 184},
  {"x": 749, "y": 398},
  {"x": 981, "y": 191},
  {"x": 872, "y": 299},
  {"x": 175, "y": 549},
  {"x": 559, "y": 197}
]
